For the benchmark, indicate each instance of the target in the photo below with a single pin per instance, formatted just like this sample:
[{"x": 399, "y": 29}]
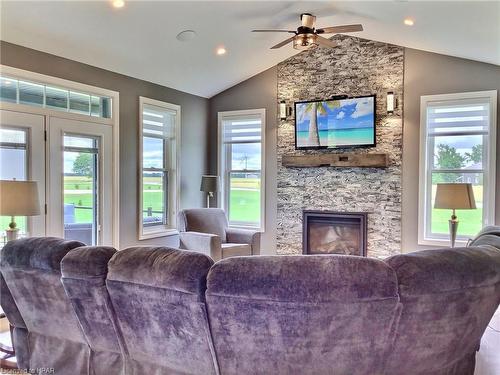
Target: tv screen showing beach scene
[{"x": 335, "y": 123}]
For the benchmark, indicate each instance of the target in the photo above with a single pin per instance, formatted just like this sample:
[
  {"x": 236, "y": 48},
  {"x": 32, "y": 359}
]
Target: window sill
[
  {"x": 149, "y": 233},
  {"x": 442, "y": 242}
]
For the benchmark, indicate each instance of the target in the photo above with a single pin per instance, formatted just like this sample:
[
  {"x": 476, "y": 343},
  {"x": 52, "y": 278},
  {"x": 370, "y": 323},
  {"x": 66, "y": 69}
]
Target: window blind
[
  {"x": 459, "y": 116},
  {"x": 158, "y": 122},
  {"x": 242, "y": 130}
]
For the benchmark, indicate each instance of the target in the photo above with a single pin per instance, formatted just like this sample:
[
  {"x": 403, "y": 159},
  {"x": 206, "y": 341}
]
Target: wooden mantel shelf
[{"x": 346, "y": 160}]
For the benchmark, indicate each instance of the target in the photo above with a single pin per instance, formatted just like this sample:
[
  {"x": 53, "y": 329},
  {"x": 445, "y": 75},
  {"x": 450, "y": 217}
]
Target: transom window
[
  {"x": 38, "y": 94},
  {"x": 457, "y": 146},
  {"x": 159, "y": 168},
  {"x": 241, "y": 166}
]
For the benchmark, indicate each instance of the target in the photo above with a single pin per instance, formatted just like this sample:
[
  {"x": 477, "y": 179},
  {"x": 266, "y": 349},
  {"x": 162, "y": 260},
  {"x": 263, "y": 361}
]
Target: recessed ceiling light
[
  {"x": 118, "y": 3},
  {"x": 409, "y": 22},
  {"x": 221, "y": 51},
  {"x": 186, "y": 35}
]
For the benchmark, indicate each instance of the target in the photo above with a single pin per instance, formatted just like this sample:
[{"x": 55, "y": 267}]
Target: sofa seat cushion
[{"x": 236, "y": 249}]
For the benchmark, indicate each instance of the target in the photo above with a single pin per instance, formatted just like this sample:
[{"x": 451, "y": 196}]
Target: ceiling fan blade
[
  {"x": 340, "y": 29},
  {"x": 273, "y": 31},
  {"x": 285, "y": 42},
  {"x": 323, "y": 42}
]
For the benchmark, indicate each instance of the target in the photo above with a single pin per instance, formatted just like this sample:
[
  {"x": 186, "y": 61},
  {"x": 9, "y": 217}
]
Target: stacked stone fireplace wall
[{"x": 355, "y": 67}]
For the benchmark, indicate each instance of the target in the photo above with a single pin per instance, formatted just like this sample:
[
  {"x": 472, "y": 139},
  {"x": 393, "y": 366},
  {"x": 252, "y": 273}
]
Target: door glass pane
[
  {"x": 8, "y": 90},
  {"x": 56, "y": 98},
  {"x": 13, "y": 165},
  {"x": 153, "y": 198},
  {"x": 81, "y": 190},
  {"x": 244, "y": 198},
  {"x": 79, "y": 103},
  {"x": 30, "y": 93},
  {"x": 458, "y": 152},
  {"x": 152, "y": 152},
  {"x": 470, "y": 221},
  {"x": 245, "y": 156}
]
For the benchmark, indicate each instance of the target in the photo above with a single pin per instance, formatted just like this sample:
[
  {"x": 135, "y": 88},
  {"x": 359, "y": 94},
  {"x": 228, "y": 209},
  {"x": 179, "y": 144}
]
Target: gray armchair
[{"x": 206, "y": 230}]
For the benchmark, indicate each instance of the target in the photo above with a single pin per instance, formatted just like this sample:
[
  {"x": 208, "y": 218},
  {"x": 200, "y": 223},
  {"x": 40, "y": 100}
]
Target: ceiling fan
[{"x": 307, "y": 36}]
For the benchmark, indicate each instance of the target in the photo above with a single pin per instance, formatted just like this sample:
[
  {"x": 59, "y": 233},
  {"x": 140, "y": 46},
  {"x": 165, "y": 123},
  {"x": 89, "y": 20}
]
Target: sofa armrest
[
  {"x": 206, "y": 243},
  {"x": 251, "y": 237}
]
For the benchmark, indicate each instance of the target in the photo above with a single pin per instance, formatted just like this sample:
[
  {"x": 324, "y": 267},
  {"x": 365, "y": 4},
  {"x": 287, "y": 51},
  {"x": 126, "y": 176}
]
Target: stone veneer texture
[{"x": 355, "y": 67}]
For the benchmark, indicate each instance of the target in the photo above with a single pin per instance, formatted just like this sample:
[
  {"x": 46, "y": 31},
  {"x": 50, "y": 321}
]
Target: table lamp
[
  {"x": 209, "y": 185},
  {"x": 18, "y": 198},
  {"x": 454, "y": 197}
]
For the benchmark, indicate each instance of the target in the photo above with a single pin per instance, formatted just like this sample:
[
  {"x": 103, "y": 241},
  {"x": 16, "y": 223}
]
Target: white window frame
[
  {"x": 223, "y": 196},
  {"x": 145, "y": 232},
  {"x": 113, "y": 122},
  {"x": 489, "y": 172}
]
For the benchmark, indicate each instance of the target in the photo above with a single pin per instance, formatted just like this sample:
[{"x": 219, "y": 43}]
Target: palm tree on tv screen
[{"x": 312, "y": 110}]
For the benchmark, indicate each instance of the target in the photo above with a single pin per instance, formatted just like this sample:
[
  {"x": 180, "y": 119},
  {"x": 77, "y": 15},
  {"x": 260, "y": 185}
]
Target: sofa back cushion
[
  {"x": 84, "y": 271},
  {"x": 205, "y": 220},
  {"x": 448, "y": 297},
  {"x": 31, "y": 268},
  {"x": 158, "y": 297},
  {"x": 315, "y": 314}
]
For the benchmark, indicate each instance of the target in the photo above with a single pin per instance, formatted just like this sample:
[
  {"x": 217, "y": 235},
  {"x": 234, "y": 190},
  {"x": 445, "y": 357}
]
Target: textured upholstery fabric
[
  {"x": 160, "y": 311},
  {"x": 20, "y": 332},
  {"x": 158, "y": 297},
  {"x": 54, "y": 339},
  {"x": 84, "y": 271},
  {"x": 301, "y": 314},
  {"x": 448, "y": 296},
  {"x": 204, "y": 220}
]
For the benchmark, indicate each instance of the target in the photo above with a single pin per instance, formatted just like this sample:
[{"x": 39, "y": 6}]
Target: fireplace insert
[{"x": 327, "y": 232}]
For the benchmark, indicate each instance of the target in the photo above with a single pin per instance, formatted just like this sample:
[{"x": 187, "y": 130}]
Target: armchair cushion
[
  {"x": 245, "y": 236},
  {"x": 235, "y": 250},
  {"x": 204, "y": 220},
  {"x": 208, "y": 244}
]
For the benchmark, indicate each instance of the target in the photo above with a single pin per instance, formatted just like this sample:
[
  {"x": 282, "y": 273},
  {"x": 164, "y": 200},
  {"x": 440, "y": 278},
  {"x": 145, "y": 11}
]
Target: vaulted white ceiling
[{"x": 139, "y": 39}]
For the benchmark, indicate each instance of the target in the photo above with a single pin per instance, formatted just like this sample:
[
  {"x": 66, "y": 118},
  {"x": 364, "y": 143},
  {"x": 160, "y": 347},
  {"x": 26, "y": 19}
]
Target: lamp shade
[
  {"x": 455, "y": 197},
  {"x": 209, "y": 184},
  {"x": 19, "y": 198}
]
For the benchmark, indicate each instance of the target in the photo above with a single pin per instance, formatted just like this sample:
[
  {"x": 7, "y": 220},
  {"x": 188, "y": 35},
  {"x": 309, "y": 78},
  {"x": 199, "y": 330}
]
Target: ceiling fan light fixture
[{"x": 305, "y": 41}]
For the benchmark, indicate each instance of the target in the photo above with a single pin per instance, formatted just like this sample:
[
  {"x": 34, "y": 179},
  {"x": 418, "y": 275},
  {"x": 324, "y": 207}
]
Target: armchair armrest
[
  {"x": 206, "y": 243},
  {"x": 251, "y": 237}
]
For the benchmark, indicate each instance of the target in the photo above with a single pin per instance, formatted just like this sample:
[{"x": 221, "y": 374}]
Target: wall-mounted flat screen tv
[{"x": 335, "y": 123}]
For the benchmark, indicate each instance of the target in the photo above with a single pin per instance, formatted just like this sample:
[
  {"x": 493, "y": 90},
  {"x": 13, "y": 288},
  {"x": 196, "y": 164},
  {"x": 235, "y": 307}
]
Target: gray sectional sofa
[{"x": 93, "y": 310}]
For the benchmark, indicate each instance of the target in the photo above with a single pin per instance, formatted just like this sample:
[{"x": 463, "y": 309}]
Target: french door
[
  {"x": 22, "y": 157},
  {"x": 80, "y": 182},
  {"x": 72, "y": 162}
]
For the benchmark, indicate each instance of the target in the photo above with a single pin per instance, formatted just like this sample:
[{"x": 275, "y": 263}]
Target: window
[
  {"x": 81, "y": 188},
  {"x": 39, "y": 94},
  {"x": 159, "y": 177},
  {"x": 241, "y": 166},
  {"x": 458, "y": 137}
]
